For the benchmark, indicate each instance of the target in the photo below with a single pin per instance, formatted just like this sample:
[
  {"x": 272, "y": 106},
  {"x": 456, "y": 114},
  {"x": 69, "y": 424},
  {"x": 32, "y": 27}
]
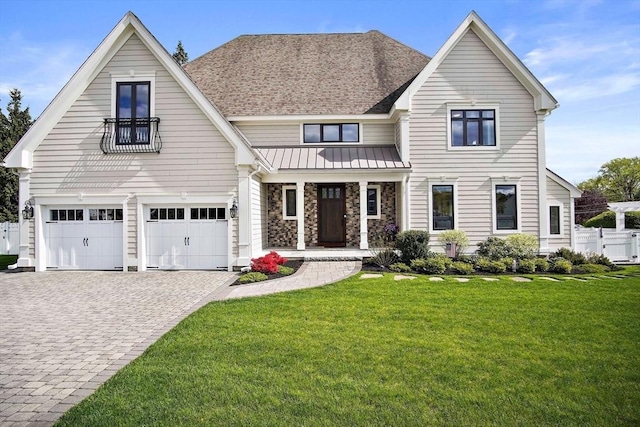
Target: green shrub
[
  {"x": 508, "y": 263},
  {"x": 632, "y": 220},
  {"x": 576, "y": 258},
  {"x": 413, "y": 244},
  {"x": 252, "y": 277},
  {"x": 542, "y": 265},
  {"x": 560, "y": 265},
  {"x": 469, "y": 259},
  {"x": 460, "y": 267},
  {"x": 522, "y": 246},
  {"x": 400, "y": 267},
  {"x": 457, "y": 237},
  {"x": 432, "y": 265},
  {"x": 589, "y": 269},
  {"x": 526, "y": 266},
  {"x": 604, "y": 220},
  {"x": 284, "y": 270},
  {"x": 385, "y": 257},
  {"x": 493, "y": 248},
  {"x": 602, "y": 260},
  {"x": 487, "y": 266}
]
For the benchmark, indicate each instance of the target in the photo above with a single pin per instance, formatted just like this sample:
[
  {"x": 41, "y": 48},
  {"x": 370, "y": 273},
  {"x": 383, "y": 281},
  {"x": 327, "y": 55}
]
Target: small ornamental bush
[
  {"x": 469, "y": 259},
  {"x": 604, "y": 220},
  {"x": 252, "y": 277},
  {"x": 267, "y": 264},
  {"x": 560, "y": 265},
  {"x": 632, "y": 220},
  {"x": 435, "y": 265},
  {"x": 542, "y": 265},
  {"x": 493, "y": 248},
  {"x": 508, "y": 263},
  {"x": 418, "y": 264},
  {"x": 284, "y": 270},
  {"x": 400, "y": 267},
  {"x": 385, "y": 257},
  {"x": 522, "y": 246},
  {"x": 602, "y": 260},
  {"x": 456, "y": 237},
  {"x": 576, "y": 258},
  {"x": 589, "y": 269},
  {"x": 460, "y": 267},
  {"x": 487, "y": 266},
  {"x": 413, "y": 244},
  {"x": 526, "y": 266}
]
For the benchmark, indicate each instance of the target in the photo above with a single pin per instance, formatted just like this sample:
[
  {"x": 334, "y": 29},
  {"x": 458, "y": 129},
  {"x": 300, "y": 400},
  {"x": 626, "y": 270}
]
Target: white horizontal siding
[
  {"x": 195, "y": 157},
  {"x": 378, "y": 133},
  {"x": 471, "y": 72},
  {"x": 557, "y": 194},
  {"x": 271, "y": 135}
]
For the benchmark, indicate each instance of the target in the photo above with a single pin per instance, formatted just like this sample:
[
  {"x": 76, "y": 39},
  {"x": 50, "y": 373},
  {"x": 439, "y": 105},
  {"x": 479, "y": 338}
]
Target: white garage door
[
  {"x": 84, "y": 238},
  {"x": 187, "y": 238}
]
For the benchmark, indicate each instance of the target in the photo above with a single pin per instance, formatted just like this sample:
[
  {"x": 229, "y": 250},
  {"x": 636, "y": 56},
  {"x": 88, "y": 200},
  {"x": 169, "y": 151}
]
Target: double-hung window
[
  {"x": 133, "y": 101},
  {"x": 332, "y": 133}
]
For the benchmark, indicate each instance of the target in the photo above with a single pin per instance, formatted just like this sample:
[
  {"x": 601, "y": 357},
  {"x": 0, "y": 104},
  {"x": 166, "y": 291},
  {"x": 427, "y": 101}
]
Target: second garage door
[{"x": 187, "y": 238}]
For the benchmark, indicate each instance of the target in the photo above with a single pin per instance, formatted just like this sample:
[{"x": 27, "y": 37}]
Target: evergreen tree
[
  {"x": 180, "y": 55},
  {"x": 12, "y": 127}
]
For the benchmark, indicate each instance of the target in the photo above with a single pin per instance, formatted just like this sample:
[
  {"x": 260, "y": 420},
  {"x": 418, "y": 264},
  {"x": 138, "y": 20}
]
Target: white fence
[
  {"x": 10, "y": 238},
  {"x": 618, "y": 246}
]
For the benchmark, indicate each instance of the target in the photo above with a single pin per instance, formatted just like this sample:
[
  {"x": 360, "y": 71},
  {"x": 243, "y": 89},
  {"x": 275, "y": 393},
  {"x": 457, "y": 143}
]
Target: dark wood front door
[{"x": 331, "y": 215}]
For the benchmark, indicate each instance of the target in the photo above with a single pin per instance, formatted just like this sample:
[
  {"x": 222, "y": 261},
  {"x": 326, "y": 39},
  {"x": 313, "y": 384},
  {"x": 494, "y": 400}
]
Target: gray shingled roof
[
  {"x": 358, "y": 157},
  {"x": 306, "y": 73}
]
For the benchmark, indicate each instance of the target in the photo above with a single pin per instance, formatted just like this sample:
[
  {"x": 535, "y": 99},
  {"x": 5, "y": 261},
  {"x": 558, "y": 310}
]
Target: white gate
[
  {"x": 10, "y": 244},
  {"x": 618, "y": 246}
]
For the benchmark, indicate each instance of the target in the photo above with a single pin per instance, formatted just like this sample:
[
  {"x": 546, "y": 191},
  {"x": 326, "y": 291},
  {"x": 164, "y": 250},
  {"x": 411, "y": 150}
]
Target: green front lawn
[
  {"x": 399, "y": 353},
  {"x": 6, "y": 260}
]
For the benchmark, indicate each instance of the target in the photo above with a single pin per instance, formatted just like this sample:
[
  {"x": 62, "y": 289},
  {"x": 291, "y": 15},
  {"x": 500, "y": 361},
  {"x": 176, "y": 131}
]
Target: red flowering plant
[{"x": 267, "y": 264}]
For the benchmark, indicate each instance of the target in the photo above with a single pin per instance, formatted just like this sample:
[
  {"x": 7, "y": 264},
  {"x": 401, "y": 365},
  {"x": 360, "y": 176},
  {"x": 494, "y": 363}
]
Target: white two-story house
[{"x": 286, "y": 142}]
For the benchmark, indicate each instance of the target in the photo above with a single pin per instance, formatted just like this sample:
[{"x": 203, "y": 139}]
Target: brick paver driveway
[{"x": 62, "y": 334}]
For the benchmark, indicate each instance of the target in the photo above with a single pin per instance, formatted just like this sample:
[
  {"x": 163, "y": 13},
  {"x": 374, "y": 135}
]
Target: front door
[{"x": 331, "y": 215}]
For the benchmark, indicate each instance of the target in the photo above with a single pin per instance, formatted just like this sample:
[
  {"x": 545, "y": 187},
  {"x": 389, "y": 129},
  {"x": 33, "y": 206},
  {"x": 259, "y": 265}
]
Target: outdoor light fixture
[
  {"x": 27, "y": 212},
  {"x": 233, "y": 210}
]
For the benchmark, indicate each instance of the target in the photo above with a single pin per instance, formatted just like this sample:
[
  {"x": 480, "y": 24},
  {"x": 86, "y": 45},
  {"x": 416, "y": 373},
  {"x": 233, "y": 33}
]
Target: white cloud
[{"x": 613, "y": 84}]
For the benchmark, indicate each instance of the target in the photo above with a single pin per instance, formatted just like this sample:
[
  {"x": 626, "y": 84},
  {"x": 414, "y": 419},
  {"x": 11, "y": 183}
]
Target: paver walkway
[{"x": 63, "y": 334}]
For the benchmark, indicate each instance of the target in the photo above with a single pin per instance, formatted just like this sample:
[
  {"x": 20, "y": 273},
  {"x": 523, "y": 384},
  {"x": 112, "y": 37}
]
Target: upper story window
[
  {"x": 472, "y": 128},
  {"x": 133, "y": 112},
  {"x": 340, "y": 132}
]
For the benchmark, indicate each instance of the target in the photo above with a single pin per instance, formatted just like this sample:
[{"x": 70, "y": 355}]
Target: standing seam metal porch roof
[{"x": 333, "y": 158}]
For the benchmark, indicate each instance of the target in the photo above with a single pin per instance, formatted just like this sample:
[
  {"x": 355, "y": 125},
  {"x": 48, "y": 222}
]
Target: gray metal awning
[{"x": 333, "y": 158}]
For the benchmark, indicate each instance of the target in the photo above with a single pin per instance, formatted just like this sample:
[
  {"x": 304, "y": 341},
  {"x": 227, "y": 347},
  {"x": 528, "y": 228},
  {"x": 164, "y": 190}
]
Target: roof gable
[
  {"x": 21, "y": 156},
  {"x": 573, "y": 190},
  {"x": 279, "y": 74},
  {"x": 543, "y": 100}
]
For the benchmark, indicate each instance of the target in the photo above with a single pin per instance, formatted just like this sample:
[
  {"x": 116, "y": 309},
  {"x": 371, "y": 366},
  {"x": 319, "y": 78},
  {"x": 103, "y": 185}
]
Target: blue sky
[{"x": 586, "y": 52}]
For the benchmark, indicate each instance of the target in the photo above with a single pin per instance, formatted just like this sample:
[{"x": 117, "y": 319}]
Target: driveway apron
[{"x": 62, "y": 334}]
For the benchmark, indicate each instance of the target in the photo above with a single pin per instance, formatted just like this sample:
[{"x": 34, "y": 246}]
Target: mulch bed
[{"x": 295, "y": 264}]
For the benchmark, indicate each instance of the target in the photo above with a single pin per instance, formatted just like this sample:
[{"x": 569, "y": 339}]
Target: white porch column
[
  {"x": 364, "y": 232},
  {"x": 543, "y": 210},
  {"x": 24, "y": 260},
  {"x": 244, "y": 216},
  {"x": 406, "y": 194},
  {"x": 300, "y": 209}
]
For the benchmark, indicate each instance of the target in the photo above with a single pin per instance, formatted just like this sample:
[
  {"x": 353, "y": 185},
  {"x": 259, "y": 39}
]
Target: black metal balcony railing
[{"x": 131, "y": 136}]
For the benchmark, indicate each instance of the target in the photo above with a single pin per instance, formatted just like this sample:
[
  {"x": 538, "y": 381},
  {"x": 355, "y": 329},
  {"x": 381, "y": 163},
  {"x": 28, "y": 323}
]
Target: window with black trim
[
  {"x": 372, "y": 201},
  {"x": 339, "y": 132},
  {"x": 133, "y": 109},
  {"x": 289, "y": 205},
  {"x": 506, "y": 207},
  {"x": 554, "y": 220},
  {"x": 472, "y": 128},
  {"x": 443, "y": 215}
]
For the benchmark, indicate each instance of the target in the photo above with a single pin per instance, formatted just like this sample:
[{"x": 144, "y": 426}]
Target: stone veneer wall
[
  {"x": 310, "y": 214},
  {"x": 375, "y": 227},
  {"x": 281, "y": 233},
  {"x": 352, "y": 203}
]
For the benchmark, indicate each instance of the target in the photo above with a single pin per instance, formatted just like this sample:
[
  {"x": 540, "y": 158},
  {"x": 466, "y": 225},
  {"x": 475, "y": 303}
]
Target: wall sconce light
[
  {"x": 27, "y": 212},
  {"x": 233, "y": 210}
]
